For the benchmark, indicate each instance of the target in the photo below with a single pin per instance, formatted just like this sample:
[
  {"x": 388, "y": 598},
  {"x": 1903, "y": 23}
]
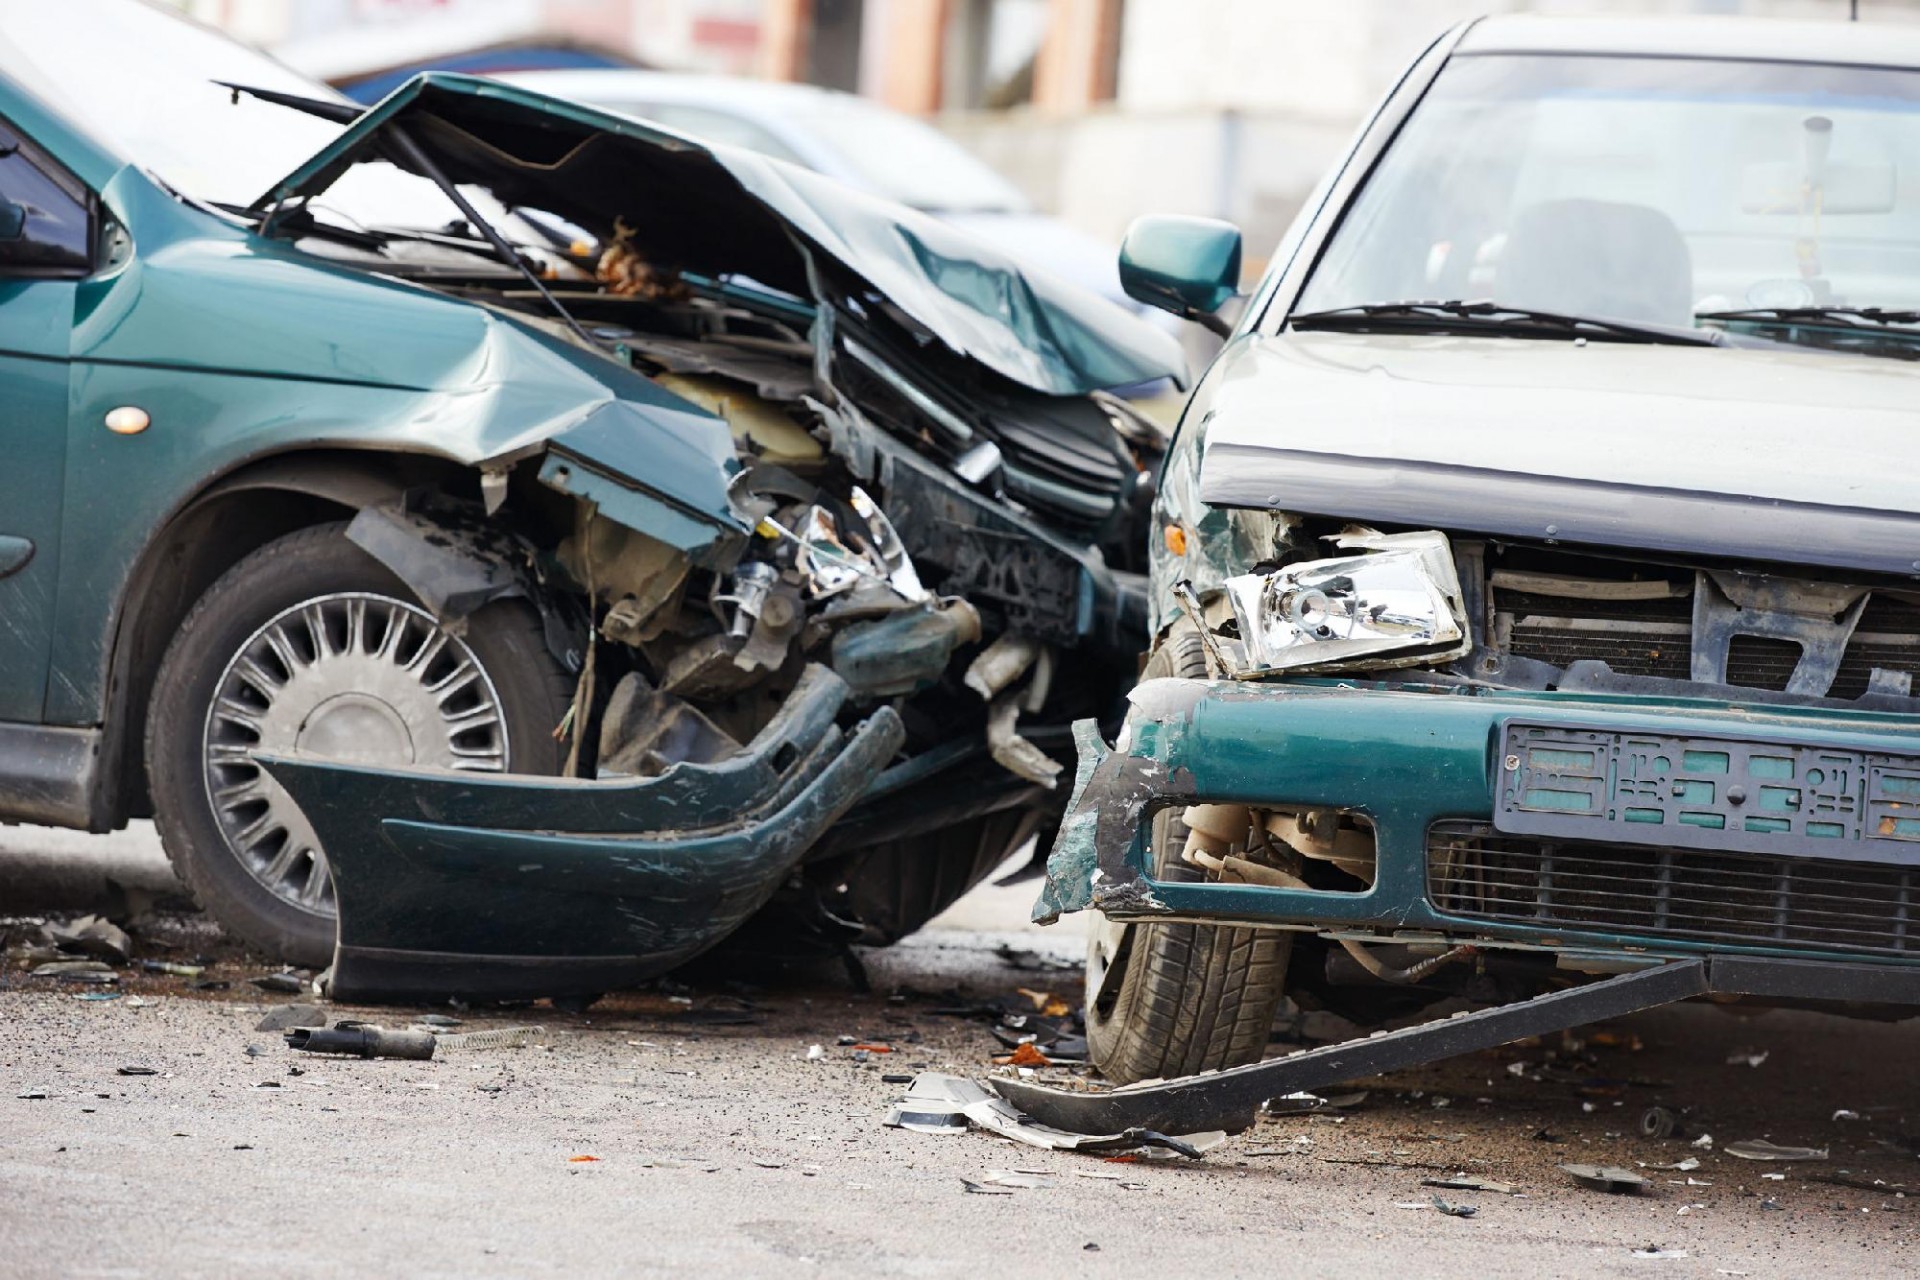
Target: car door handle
[{"x": 14, "y": 554}]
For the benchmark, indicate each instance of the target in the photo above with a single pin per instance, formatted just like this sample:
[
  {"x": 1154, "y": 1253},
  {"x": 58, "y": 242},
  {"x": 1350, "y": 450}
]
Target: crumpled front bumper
[
  {"x": 511, "y": 887},
  {"x": 1405, "y": 757}
]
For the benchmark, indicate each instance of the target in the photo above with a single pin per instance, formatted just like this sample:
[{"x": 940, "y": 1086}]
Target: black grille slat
[
  {"x": 1675, "y": 893},
  {"x": 1653, "y": 638}
]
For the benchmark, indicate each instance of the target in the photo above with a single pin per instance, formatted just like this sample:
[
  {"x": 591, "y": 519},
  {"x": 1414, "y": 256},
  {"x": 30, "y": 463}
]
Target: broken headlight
[{"x": 1400, "y": 596}]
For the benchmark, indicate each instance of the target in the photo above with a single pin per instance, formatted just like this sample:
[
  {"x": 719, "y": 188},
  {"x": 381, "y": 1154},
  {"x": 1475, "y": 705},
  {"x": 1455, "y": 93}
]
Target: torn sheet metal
[
  {"x": 456, "y": 884},
  {"x": 937, "y": 1103},
  {"x": 1090, "y": 864}
]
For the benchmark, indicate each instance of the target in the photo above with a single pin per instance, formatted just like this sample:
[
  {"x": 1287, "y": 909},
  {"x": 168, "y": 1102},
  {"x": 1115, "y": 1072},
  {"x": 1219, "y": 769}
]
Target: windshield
[
  {"x": 140, "y": 80},
  {"x": 906, "y": 161},
  {"x": 1641, "y": 189}
]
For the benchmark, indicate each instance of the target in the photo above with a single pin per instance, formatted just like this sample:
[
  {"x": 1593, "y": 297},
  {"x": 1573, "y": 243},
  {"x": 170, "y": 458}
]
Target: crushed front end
[
  {"x": 1454, "y": 763},
  {"x": 824, "y": 516}
]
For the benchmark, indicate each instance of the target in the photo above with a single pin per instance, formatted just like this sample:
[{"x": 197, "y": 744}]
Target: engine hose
[{"x": 1412, "y": 973}]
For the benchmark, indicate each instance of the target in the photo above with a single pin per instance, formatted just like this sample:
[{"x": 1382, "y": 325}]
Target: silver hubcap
[{"x": 352, "y": 676}]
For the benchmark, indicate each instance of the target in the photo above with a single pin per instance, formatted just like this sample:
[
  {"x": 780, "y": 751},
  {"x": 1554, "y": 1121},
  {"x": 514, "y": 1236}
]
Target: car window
[
  {"x": 707, "y": 124},
  {"x": 1642, "y": 188},
  {"x": 45, "y": 222}
]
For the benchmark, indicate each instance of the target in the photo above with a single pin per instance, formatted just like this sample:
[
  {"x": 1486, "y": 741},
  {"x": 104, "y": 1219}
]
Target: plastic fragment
[
  {"x": 95, "y": 936},
  {"x": 979, "y": 1189},
  {"x": 1453, "y": 1209},
  {"x": 1761, "y": 1149},
  {"x": 1609, "y": 1178},
  {"x": 1472, "y": 1184},
  {"x": 1655, "y": 1251},
  {"x": 283, "y": 1017},
  {"x": 1747, "y": 1057}
]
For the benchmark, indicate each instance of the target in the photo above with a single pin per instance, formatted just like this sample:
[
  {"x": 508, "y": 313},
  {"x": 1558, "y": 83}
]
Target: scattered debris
[
  {"x": 1024, "y": 1056},
  {"x": 1292, "y": 1104},
  {"x": 1679, "y": 1166},
  {"x": 1655, "y": 1251},
  {"x": 815, "y": 1052},
  {"x": 288, "y": 982},
  {"x": 1845, "y": 1114},
  {"x": 896, "y": 1077},
  {"x": 76, "y": 971},
  {"x": 975, "y": 1188},
  {"x": 1747, "y": 1057},
  {"x": 1761, "y": 1149},
  {"x": 1453, "y": 1210},
  {"x": 1702, "y": 1143},
  {"x": 1032, "y": 961},
  {"x": 137, "y": 1071},
  {"x": 359, "y": 1040},
  {"x": 281, "y": 1017},
  {"x": 93, "y": 936},
  {"x": 1017, "y": 1178},
  {"x": 32, "y": 1095},
  {"x": 1609, "y": 1178},
  {"x": 172, "y": 967},
  {"x": 583, "y": 1159},
  {"x": 1472, "y": 1184},
  {"x": 1658, "y": 1122},
  {"x": 937, "y": 1103}
]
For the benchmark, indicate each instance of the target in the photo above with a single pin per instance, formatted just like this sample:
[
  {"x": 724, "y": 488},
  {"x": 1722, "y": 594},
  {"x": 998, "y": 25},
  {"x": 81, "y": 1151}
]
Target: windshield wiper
[
  {"x": 1851, "y": 317},
  {"x": 1488, "y": 316}
]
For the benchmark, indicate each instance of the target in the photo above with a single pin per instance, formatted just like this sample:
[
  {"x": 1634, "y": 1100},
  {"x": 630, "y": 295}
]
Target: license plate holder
[{"x": 1750, "y": 795}]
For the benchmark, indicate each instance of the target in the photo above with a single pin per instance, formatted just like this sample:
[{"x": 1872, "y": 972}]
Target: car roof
[
  {"x": 614, "y": 85},
  {"x": 1862, "y": 44}
]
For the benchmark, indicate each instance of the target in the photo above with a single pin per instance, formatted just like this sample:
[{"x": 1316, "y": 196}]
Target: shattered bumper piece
[
  {"x": 937, "y": 1103},
  {"x": 512, "y": 887}
]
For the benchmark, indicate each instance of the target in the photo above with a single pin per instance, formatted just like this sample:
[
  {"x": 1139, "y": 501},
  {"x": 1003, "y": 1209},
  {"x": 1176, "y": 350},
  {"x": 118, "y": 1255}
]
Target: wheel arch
[{"x": 227, "y": 519}]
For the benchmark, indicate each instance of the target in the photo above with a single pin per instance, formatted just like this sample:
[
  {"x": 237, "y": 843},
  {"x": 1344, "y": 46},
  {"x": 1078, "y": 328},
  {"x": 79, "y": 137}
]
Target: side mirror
[
  {"x": 13, "y": 220},
  {"x": 1189, "y": 266}
]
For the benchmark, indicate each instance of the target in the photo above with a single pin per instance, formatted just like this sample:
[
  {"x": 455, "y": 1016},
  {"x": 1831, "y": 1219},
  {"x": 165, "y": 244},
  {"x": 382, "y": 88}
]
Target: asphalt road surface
[{"x": 687, "y": 1131}]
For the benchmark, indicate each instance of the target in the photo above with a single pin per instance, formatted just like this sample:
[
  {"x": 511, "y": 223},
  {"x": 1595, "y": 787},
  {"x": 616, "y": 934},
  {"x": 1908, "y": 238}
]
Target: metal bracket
[{"x": 1231, "y": 1100}]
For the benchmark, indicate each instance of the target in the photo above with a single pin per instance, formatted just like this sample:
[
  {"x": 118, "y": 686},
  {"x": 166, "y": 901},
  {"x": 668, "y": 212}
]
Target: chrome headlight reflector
[{"x": 1399, "y": 596}]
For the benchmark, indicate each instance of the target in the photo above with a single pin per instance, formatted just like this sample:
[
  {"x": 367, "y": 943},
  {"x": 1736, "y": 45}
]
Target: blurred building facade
[{"x": 1101, "y": 109}]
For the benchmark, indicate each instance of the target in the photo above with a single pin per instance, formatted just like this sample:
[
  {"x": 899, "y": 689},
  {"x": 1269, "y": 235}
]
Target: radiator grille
[
  {"x": 1800, "y": 903},
  {"x": 1655, "y": 638}
]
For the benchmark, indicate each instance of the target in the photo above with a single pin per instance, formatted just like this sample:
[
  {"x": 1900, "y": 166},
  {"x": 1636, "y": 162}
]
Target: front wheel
[
  {"x": 310, "y": 645},
  {"x": 1166, "y": 1000}
]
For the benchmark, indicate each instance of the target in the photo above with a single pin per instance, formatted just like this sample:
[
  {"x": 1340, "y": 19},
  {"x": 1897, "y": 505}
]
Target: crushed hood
[
  {"x": 716, "y": 211},
  {"x": 1774, "y": 453}
]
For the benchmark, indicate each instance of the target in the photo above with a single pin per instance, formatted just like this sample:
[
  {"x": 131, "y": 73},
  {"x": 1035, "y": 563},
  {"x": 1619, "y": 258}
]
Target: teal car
[
  {"x": 474, "y": 437},
  {"x": 1536, "y": 571}
]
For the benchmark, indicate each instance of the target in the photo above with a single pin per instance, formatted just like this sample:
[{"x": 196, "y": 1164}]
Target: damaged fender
[
  {"x": 1095, "y": 861},
  {"x": 452, "y": 884}
]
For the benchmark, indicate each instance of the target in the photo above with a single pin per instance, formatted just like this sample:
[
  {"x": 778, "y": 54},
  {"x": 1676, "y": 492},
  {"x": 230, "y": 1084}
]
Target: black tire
[
  {"x": 1185, "y": 997},
  {"x": 504, "y": 639}
]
